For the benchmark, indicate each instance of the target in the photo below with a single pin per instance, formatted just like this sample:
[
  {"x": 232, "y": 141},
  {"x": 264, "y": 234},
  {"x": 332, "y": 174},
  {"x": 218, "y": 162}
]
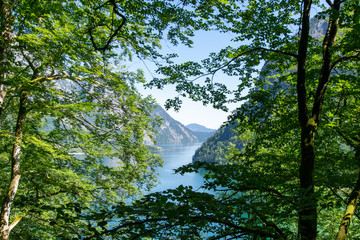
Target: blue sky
[
  {"x": 192, "y": 112},
  {"x": 195, "y": 112}
]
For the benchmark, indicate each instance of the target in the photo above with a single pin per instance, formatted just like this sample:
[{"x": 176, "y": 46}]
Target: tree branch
[
  {"x": 113, "y": 3},
  {"x": 40, "y": 80},
  {"x": 28, "y": 60},
  {"x": 57, "y": 224},
  {"x": 343, "y": 59},
  {"x": 246, "y": 230},
  {"x": 88, "y": 92},
  {"x": 15, "y": 222},
  {"x": 51, "y": 194},
  {"x": 330, "y": 3},
  {"x": 268, "y": 223},
  {"x": 254, "y": 50}
]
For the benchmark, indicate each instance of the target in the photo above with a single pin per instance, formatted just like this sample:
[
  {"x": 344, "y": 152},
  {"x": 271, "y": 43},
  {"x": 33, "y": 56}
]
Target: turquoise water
[{"x": 174, "y": 156}]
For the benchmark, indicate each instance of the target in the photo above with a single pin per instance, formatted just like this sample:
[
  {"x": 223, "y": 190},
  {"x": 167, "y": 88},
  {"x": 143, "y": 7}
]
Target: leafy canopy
[{"x": 72, "y": 122}]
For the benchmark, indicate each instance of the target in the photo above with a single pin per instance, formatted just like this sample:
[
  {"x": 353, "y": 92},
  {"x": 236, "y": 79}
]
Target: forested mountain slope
[{"x": 213, "y": 150}]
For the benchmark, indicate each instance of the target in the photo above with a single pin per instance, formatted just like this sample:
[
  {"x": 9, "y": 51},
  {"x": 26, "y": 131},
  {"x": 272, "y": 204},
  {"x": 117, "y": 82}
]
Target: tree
[
  {"x": 301, "y": 156},
  {"x": 65, "y": 91}
]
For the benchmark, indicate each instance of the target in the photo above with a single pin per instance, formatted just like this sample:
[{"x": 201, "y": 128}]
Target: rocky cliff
[{"x": 171, "y": 131}]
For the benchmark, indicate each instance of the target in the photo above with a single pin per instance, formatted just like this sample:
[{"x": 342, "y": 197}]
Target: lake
[{"x": 174, "y": 156}]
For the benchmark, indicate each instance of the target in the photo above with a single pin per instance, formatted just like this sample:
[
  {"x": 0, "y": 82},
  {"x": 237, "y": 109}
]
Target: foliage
[
  {"x": 299, "y": 127},
  {"x": 215, "y": 147},
  {"x": 72, "y": 122},
  {"x": 299, "y": 167}
]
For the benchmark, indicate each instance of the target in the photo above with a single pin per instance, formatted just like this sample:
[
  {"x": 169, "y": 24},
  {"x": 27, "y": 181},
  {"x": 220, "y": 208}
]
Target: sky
[
  {"x": 192, "y": 112},
  {"x": 195, "y": 112}
]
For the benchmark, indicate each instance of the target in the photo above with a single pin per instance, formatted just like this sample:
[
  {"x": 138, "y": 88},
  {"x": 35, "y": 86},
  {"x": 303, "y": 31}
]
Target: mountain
[
  {"x": 213, "y": 150},
  {"x": 201, "y": 132},
  {"x": 171, "y": 131},
  {"x": 199, "y": 128}
]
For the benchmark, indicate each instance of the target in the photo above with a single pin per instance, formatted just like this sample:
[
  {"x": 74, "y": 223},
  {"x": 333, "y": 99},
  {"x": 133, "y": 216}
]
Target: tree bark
[
  {"x": 5, "y": 228},
  {"x": 309, "y": 124},
  {"x": 350, "y": 207},
  {"x": 5, "y": 37},
  {"x": 307, "y": 207}
]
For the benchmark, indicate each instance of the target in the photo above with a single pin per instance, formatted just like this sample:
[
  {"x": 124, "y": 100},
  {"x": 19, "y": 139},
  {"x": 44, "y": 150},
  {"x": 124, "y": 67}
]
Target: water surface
[{"x": 174, "y": 156}]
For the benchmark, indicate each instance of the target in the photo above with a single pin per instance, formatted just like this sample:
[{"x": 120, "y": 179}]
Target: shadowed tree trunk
[
  {"x": 307, "y": 208},
  {"x": 309, "y": 123}
]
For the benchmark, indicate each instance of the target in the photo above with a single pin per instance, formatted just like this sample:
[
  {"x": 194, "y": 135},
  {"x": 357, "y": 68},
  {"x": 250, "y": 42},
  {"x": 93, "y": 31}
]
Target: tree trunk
[
  {"x": 309, "y": 124},
  {"x": 350, "y": 207},
  {"x": 307, "y": 207},
  {"x": 5, "y": 37},
  {"x": 5, "y": 228}
]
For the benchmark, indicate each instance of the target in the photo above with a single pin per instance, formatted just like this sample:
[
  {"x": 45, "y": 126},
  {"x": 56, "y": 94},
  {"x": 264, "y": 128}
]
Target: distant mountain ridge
[
  {"x": 199, "y": 128},
  {"x": 202, "y": 133}
]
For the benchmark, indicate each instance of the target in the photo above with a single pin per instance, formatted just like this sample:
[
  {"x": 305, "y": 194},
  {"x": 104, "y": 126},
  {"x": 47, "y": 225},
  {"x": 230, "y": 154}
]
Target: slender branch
[
  {"x": 82, "y": 148},
  {"x": 40, "y": 80},
  {"x": 94, "y": 126},
  {"x": 129, "y": 224},
  {"x": 239, "y": 55},
  {"x": 57, "y": 224},
  {"x": 349, "y": 141},
  {"x": 59, "y": 182},
  {"x": 194, "y": 219},
  {"x": 17, "y": 75},
  {"x": 31, "y": 65},
  {"x": 165, "y": 227},
  {"x": 113, "y": 3},
  {"x": 341, "y": 99},
  {"x": 342, "y": 199},
  {"x": 227, "y": 197},
  {"x": 241, "y": 235},
  {"x": 330, "y": 3},
  {"x": 228, "y": 234},
  {"x": 51, "y": 194},
  {"x": 254, "y": 50},
  {"x": 343, "y": 59},
  {"x": 279, "y": 194},
  {"x": 268, "y": 223},
  {"x": 88, "y": 92},
  {"x": 262, "y": 190},
  {"x": 337, "y": 195},
  {"x": 241, "y": 228},
  {"x": 15, "y": 222},
  {"x": 87, "y": 126}
]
